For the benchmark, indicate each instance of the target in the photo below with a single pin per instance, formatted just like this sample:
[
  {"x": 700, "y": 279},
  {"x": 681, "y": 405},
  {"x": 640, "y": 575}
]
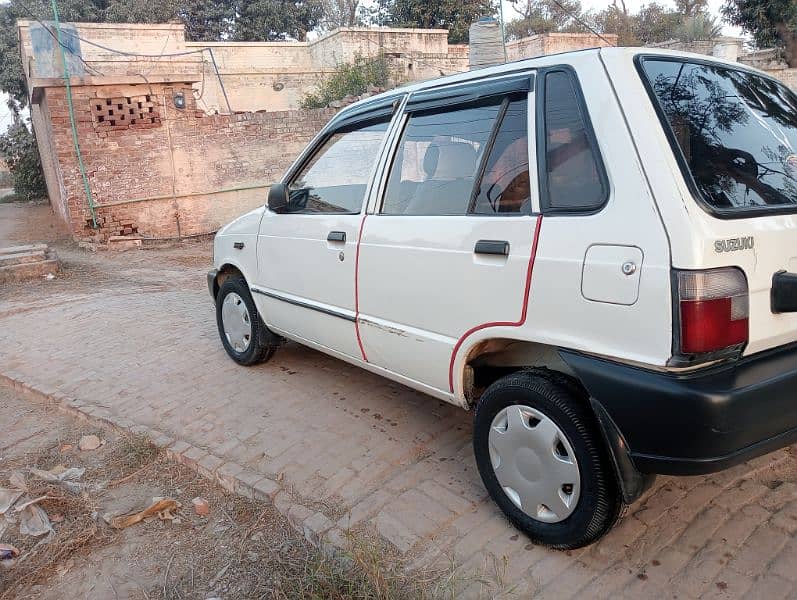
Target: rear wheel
[
  {"x": 245, "y": 337},
  {"x": 541, "y": 456}
]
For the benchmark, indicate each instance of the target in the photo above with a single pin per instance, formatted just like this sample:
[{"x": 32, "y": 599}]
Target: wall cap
[{"x": 38, "y": 84}]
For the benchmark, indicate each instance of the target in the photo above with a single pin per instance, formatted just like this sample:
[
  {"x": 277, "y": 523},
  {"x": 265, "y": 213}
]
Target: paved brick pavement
[{"x": 131, "y": 339}]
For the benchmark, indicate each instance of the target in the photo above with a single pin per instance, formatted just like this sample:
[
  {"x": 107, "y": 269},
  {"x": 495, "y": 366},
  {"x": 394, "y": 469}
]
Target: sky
[{"x": 5, "y": 113}]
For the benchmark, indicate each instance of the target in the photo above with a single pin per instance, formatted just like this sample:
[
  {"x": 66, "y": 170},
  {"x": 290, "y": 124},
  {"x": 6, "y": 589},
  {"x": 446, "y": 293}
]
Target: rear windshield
[{"x": 737, "y": 132}]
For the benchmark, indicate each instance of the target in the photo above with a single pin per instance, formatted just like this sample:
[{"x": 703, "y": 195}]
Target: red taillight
[{"x": 714, "y": 310}]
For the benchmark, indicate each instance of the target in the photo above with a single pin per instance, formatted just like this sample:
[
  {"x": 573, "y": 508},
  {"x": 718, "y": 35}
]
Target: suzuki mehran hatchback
[{"x": 594, "y": 251}]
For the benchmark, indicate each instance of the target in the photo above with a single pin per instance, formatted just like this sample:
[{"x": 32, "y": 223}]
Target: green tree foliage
[
  {"x": 771, "y": 22},
  {"x": 350, "y": 79},
  {"x": 270, "y": 20},
  {"x": 454, "y": 15},
  {"x": 656, "y": 23},
  {"x": 12, "y": 79},
  {"x": 691, "y": 8},
  {"x": 544, "y": 16},
  {"x": 652, "y": 24},
  {"x": 341, "y": 13},
  {"x": 136, "y": 11},
  {"x": 18, "y": 149},
  {"x": 204, "y": 20},
  {"x": 701, "y": 26}
]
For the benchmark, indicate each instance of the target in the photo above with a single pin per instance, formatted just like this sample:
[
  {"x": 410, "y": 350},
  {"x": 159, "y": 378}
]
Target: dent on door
[{"x": 611, "y": 274}]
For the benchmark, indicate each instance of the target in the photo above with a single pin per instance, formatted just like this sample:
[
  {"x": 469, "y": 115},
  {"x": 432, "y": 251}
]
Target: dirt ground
[
  {"x": 25, "y": 222},
  {"x": 241, "y": 549},
  {"x": 181, "y": 265}
]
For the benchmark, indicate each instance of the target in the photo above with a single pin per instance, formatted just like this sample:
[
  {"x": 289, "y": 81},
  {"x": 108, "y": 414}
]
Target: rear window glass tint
[
  {"x": 737, "y": 132},
  {"x": 573, "y": 174}
]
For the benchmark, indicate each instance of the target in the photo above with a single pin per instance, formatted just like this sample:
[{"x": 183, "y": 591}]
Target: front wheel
[
  {"x": 245, "y": 337},
  {"x": 542, "y": 459}
]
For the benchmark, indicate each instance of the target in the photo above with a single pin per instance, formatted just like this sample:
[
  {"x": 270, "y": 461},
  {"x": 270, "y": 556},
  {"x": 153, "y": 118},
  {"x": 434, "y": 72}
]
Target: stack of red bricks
[
  {"x": 117, "y": 224},
  {"x": 128, "y": 228}
]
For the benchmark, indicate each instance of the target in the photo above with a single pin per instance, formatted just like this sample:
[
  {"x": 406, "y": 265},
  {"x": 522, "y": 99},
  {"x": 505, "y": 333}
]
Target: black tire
[
  {"x": 553, "y": 394},
  {"x": 263, "y": 342}
]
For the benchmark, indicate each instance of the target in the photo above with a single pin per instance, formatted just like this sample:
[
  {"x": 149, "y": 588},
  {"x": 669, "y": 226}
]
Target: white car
[{"x": 595, "y": 251}]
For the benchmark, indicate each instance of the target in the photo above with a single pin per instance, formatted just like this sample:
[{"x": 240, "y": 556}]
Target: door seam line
[{"x": 357, "y": 288}]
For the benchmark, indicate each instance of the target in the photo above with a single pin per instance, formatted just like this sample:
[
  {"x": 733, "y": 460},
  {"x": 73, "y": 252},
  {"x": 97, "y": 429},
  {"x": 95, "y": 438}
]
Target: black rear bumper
[{"x": 698, "y": 422}]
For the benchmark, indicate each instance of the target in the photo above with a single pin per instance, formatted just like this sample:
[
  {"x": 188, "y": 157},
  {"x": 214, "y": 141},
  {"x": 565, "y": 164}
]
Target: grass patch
[
  {"x": 133, "y": 451},
  {"x": 364, "y": 572}
]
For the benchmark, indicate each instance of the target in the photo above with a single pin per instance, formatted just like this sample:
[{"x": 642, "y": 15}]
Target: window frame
[
  {"x": 675, "y": 147},
  {"x": 365, "y": 117},
  {"x": 542, "y": 145},
  {"x": 470, "y": 92},
  {"x": 458, "y": 96}
]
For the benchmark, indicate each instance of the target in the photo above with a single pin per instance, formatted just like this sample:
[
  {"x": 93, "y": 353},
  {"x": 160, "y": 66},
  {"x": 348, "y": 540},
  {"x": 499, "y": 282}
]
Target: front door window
[{"x": 335, "y": 179}]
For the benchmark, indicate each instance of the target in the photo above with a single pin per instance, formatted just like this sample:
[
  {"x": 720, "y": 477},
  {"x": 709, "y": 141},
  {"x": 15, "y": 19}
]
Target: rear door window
[
  {"x": 735, "y": 133},
  {"x": 504, "y": 186},
  {"x": 437, "y": 162}
]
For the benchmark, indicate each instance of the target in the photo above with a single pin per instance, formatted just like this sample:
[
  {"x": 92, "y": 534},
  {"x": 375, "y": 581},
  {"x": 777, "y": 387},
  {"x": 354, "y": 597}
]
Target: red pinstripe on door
[{"x": 517, "y": 323}]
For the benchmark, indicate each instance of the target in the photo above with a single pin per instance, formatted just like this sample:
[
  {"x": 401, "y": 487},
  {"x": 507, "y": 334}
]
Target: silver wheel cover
[
  {"x": 236, "y": 321},
  {"x": 534, "y": 463}
]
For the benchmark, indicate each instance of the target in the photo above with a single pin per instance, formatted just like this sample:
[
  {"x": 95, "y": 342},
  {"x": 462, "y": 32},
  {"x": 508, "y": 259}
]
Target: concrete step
[
  {"x": 32, "y": 270},
  {"x": 19, "y": 258},
  {"x": 22, "y": 249},
  {"x": 18, "y": 263}
]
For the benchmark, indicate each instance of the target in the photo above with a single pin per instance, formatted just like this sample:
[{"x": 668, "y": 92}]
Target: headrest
[
  {"x": 430, "y": 160},
  {"x": 449, "y": 160}
]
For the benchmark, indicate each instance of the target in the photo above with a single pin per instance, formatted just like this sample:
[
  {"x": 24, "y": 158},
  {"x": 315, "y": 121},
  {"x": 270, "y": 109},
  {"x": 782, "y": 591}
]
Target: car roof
[{"x": 530, "y": 64}]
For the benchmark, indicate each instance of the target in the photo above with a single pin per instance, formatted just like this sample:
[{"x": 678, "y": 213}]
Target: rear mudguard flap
[{"x": 632, "y": 482}]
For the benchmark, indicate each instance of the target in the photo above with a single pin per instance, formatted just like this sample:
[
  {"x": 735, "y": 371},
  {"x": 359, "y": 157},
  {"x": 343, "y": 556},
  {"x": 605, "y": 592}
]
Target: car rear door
[{"x": 448, "y": 247}]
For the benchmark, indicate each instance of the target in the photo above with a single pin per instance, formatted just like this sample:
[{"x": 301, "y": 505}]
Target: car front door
[
  {"x": 306, "y": 253},
  {"x": 448, "y": 247}
]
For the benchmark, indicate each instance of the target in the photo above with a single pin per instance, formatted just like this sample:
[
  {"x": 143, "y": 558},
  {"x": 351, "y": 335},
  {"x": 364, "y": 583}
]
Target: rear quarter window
[
  {"x": 735, "y": 133},
  {"x": 572, "y": 175}
]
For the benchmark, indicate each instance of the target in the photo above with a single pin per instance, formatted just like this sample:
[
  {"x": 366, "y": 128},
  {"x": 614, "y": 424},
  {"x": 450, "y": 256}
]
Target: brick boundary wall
[{"x": 180, "y": 173}]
